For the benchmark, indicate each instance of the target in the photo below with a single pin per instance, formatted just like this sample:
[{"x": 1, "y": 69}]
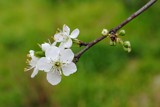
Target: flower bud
[
  {"x": 112, "y": 43},
  {"x": 119, "y": 40},
  {"x": 122, "y": 33},
  {"x": 127, "y": 49},
  {"x": 104, "y": 32},
  {"x": 127, "y": 46}
]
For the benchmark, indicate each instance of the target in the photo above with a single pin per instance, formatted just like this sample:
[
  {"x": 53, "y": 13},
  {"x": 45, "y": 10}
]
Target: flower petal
[
  {"x": 66, "y": 55},
  {"x": 44, "y": 64},
  {"x": 61, "y": 46},
  {"x": 66, "y": 29},
  {"x": 69, "y": 69},
  {"x": 74, "y": 33},
  {"x": 34, "y": 73},
  {"x": 68, "y": 43},
  {"x": 59, "y": 37},
  {"x": 31, "y": 53},
  {"x": 54, "y": 77},
  {"x": 33, "y": 61},
  {"x": 45, "y": 46},
  {"x": 52, "y": 53}
]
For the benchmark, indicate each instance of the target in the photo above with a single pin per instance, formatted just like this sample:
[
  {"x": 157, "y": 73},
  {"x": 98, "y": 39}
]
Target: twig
[
  {"x": 83, "y": 43},
  {"x": 134, "y": 15},
  {"x": 114, "y": 30}
]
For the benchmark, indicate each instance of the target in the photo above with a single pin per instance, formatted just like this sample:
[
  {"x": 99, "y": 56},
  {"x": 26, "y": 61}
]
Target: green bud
[
  {"x": 119, "y": 40},
  {"x": 122, "y": 33},
  {"x": 39, "y": 54},
  {"x": 127, "y": 49},
  {"x": 127, "y": 46},
  {"x": 112, "y": 43}
]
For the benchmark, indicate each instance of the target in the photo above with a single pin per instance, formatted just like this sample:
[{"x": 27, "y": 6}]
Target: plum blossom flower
[
  {"x": 56, "y": 62},
  {"x": 65, "y": 37},
  {"x": 45, "y": 45},
  {"x": 32, "y": 63}
]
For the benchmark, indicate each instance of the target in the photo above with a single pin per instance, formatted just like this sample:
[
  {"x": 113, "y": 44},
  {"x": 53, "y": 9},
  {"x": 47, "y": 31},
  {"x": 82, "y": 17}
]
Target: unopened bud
[
  {"x": 127, "y": 49},
  {"x": 127, "y": 44},
  {"x": 104, "y": 32},
  {"x": 112, "y": 43},
  {"x": 119, "y": 40},
  {"x": 122, "y": 33}
]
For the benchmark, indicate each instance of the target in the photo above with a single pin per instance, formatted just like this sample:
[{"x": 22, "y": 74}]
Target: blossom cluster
[{"x": 55, "y": 58}]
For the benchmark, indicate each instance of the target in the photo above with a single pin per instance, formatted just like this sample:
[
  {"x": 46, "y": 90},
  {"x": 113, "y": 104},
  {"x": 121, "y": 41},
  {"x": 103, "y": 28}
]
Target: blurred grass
[{"x": 106, "y": 77}]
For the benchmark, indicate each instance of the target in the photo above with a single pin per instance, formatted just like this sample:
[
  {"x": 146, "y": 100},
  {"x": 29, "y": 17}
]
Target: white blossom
[
  {"x": 32, "y": 63},
  {"x": 65, "y": 37},
  {"x": 56, "y": 62}
]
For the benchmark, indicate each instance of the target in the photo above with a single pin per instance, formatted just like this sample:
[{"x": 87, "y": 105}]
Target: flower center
[{"x": 57, "y": 64}]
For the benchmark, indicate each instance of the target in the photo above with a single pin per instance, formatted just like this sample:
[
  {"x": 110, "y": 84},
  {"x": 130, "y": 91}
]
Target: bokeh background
[{"x": 107, "y": 76}]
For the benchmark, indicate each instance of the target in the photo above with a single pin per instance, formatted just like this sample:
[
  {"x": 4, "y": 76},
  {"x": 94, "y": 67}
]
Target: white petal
[
  {"x": 59, "y": 37},
  {"x": 35, "y": 72},
  {"x": 54, "y": 77},
  {"x": 52, "y": 53},
  {"x": 66, "y": 55},
  {"x": 66, "y": 29},
  {"x": 33, "y": 61},
  {"x": 69, "y": 69},
  {"x": 68, "y": 43},
  {"x": 61, "y": 46},
  {"x": 45, "y": 46},
  {"x": 44, "y": 64},
  {"x": 74, "y": 33},
  {"x": 31, "y": 53}
]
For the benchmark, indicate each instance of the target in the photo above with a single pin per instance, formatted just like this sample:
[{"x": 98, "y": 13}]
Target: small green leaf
[{"x": 40, "y": 54}]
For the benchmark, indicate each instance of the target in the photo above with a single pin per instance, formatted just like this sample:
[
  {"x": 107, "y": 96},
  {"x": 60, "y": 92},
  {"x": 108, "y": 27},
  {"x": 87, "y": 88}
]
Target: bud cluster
[{"x": 115, "y": 38}]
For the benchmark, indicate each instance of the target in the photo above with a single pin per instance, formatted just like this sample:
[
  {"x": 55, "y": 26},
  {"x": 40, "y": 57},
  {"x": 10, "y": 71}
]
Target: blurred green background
[{"x": 107, "y": 76}]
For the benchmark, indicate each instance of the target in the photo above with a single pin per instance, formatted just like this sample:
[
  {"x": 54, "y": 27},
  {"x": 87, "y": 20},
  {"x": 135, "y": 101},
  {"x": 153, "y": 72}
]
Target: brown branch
[
  {"x": 134, "y": 15},
  {"x": 78, "y": 55},
  {"x": 83, "y": 43},
  {"x": 114, "y": 30}
]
